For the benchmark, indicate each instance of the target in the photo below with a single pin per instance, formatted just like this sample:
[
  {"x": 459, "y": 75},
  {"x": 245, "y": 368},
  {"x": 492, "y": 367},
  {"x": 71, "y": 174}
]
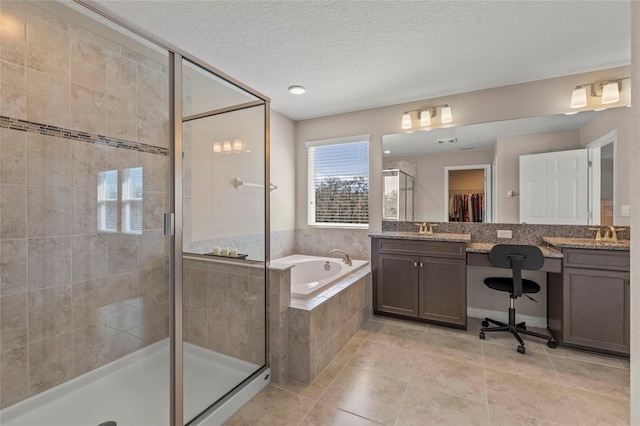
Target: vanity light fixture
[
  {"x": 406, "y": 120},
  {"x": 445, "y": 115},
  {"x": 425, "y": 118},
  {"x": 610, "y": 93},
  {"x": 608, "y": 90},
  {"x": 297, "y": 89},
  {"x": 387, "y": 152},
  {"x": 579, "y": 97},
  {"x": 425, "y": 115},
  {"x": 217, "y": 147},
  {"x": 226, "y": 146},
  {"x": 237, "y": 145}
]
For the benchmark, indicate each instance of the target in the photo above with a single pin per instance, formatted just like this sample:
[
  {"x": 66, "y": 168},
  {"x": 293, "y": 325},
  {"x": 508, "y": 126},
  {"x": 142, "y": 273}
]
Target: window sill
[{"x": 338, "y": 226}]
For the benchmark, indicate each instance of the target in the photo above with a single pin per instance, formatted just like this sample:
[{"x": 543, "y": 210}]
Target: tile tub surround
[
  {"x": 71, "y": 298},
  {"x": 279, "y": 300},
  {"x": 224, "y": 307},
  {"x": 522, "y": 233},
  {"x": 319, "y": 328}
]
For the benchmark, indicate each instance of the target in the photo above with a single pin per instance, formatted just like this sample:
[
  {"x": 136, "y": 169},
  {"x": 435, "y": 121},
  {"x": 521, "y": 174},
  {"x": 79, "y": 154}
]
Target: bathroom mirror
[{"x": 498, "y": 148}]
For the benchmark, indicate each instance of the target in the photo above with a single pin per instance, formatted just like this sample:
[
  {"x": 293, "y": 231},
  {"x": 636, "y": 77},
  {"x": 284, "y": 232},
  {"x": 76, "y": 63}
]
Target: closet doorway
[{"x": 467, "y": 191}]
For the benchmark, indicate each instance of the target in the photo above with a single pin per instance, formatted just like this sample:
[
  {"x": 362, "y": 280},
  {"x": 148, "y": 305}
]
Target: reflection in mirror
[
  {"x": 398, "y": 195},
  {"x": 499, "y": 146}
]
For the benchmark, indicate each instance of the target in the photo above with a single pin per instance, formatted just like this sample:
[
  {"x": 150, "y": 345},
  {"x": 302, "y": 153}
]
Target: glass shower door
[{"x": 223, "y": 253}]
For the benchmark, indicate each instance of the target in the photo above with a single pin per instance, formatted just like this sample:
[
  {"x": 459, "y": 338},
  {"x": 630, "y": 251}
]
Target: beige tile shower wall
[
  {"x": 224, "y": 308},
  {"x": 316, "y": 336},
  {"x": 72, "y": 298}
]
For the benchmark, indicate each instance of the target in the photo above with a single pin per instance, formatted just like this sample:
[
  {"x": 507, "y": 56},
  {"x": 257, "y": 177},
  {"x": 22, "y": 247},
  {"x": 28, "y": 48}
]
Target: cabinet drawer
[
  {"x": 423, "y": 248},
  {"x": 610, "y": 260}
]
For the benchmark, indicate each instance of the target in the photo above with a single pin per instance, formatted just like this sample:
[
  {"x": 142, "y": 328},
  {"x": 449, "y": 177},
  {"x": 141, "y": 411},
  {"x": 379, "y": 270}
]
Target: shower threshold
[{"x": 133, "y": 390}]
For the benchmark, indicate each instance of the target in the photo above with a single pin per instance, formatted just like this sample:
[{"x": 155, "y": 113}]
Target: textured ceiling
[{"x": 354, "y": 55}]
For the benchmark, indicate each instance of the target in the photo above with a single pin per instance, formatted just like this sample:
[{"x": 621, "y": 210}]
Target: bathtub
[{"x": 312, "y": 275}]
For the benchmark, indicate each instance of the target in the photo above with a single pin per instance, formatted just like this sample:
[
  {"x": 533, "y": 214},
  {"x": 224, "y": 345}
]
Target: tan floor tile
[
  {"x": 625, "y": 363},
  {"x": 366, "y": 394},
  {"x": 323, "y": 415},
  {"x": 319, "y": 385},
  {"x": 531, "y": 364},
  {"x": 534, "y": 398},
  {"x": 502, "y": 417},
  {"x": 344, "y": 356},
  {"x": 564, "y": 352},
  {"x": 272, "y": 406},
  {"x": 598, "y": 409},
  {"x": 612, "y": 381},
  {"x": 420, "y": 325},
  {"x": 449, "y": 376},
  {"x": 387, "y": 360},
  {"x": 449, "y": 346},
  {"x": 394, "y": 334},
  {"x": 422, "y": 407},
  {"x": 473, "y": 328}
]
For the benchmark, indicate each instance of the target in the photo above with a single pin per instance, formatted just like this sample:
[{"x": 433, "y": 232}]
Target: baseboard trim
[{"x": 503, "y": 316}]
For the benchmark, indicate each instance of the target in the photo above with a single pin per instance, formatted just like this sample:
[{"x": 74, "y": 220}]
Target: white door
[{"x": 554, "y": 187}]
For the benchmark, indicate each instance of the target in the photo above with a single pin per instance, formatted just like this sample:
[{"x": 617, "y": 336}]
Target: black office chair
[{"x": 516, "y": 258}]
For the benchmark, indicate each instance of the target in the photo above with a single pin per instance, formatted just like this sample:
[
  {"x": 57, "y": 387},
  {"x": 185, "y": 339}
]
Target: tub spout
[{"x": 345, "y": 257}]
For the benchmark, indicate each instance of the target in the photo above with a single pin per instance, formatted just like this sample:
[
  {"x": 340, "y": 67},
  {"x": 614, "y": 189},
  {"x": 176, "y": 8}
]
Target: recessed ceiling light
[
  {"x": 387, "y": 152},
  {"x": 297, "y": 90}
]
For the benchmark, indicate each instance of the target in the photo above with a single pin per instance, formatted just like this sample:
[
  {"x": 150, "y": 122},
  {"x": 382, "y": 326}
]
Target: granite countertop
[
  {"x": 456, "y": 238},
  {"x": 486, "y": 248},
  {"x": 587, "y": 243}
]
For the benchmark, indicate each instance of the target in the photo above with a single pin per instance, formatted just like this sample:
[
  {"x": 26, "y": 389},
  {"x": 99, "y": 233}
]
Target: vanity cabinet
[
  {"x": 420, "y": 279},
  {"x": 588, "y": 304}
]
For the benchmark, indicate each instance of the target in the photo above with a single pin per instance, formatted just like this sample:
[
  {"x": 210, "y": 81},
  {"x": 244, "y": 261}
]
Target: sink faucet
[
  {"x": 423, "y": 228},
  {"x": 345, "y": 257},
  {"x": 611, "y": 233},
  {"x": 432, "y": 226},
  {"x": 598, "y": 236}
]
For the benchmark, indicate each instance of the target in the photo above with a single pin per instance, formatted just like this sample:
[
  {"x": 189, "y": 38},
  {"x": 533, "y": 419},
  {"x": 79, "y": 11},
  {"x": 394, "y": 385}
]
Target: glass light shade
[
  {"x": 579, "y": 97},
  {"x": 610, "y": 93},
  {"x": 226, "y": 147},
  {"x": 425, "y": 118},
  {"x": 445, "y": 115},
  {"x": 406, "y": 120},
  {"x": 217, "y": 147},
  {"x": 237, "y": 145},
  {"x": 297, "y": 90}
]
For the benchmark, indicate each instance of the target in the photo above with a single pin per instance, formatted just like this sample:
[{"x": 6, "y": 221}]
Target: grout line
[{"x": 406, "y": 389}]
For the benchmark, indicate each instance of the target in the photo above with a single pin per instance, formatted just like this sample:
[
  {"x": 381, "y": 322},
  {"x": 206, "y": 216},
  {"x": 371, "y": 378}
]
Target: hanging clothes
[{"x": 466, "y": 207}]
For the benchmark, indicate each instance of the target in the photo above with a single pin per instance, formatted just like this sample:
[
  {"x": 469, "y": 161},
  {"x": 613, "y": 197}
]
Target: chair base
[{"x": 515, "y": 330}]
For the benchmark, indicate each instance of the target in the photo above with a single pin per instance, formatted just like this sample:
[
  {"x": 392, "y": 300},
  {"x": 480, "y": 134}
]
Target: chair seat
[{"x": 506, "y": 284}]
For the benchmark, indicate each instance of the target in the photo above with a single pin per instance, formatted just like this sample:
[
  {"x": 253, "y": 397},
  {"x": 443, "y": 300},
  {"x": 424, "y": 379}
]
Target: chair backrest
[
  {"x": 516, "y": 258},
  {"x": 503, "y": 256}
]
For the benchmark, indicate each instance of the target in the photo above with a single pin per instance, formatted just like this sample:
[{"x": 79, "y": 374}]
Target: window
[
  {"x": 123, "y": 196},
  {"x": 339, "y": 182}
]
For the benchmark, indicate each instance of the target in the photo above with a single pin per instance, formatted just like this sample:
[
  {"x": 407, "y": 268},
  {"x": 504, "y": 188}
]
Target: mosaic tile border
[{"x": 59, "y": 132}]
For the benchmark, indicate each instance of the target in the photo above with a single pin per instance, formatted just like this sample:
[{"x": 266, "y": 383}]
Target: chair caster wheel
[
  {"x": 521, "y": 349},
  {"x": 482, "y": 335},
  {"x": 485, "y": 323},
  {"x": 552, "y": 344}
]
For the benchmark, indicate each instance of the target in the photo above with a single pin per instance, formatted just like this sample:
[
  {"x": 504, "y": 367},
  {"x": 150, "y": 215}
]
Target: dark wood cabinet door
[
  {"x": 596, "y": 309},
  {"x": 397, "y": 285},
  {"x": 443, "y": 290}
]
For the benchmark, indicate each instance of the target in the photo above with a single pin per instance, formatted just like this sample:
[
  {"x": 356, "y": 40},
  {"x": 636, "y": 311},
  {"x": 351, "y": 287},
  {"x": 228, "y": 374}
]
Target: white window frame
[
  {"x": 311, "y": 194},
  {"x": 125, "y": 204}
]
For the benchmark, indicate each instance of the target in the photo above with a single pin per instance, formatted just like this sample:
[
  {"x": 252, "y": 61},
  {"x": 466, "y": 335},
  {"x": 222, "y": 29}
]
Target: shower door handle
[{"x": 169, "y": 224}]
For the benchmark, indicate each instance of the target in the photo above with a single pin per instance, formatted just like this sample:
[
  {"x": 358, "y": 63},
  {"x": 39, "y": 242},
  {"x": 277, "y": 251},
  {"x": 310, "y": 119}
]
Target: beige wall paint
[
  {"x": 283, "y": 172},
  {"x": 618, "y": 119},
  {"x": 634, "y": 187},
  {"x": 508, "y": 152}
]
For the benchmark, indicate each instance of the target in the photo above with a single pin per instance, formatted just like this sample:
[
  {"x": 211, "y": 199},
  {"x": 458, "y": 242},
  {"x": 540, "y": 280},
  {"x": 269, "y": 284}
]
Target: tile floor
[{"x": 395, "y": 372}]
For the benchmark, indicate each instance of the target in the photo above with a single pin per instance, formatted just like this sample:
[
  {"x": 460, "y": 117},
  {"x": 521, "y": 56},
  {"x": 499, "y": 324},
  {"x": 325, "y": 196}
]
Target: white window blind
[
  {"x": 108, "y": 201},
  {"x": 132, "y": 200},
  {"x": 120, "y": 201},
  {"x": 339, "y": 182}
]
